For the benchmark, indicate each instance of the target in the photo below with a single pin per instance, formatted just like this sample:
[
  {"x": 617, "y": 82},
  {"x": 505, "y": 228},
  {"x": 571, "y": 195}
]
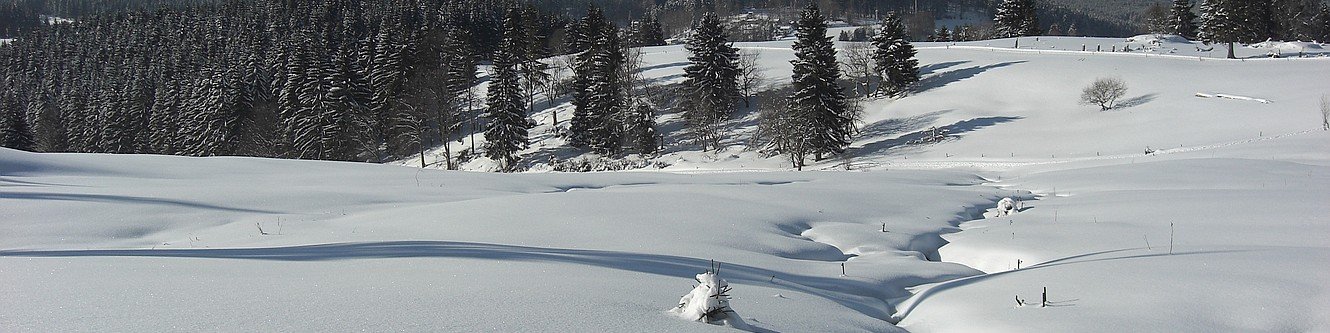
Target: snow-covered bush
[
  {"x": 1006, "y": 207},
  {"x": 1103, "y": 92},
  {"x": 593, "y": 163},
  {"x": 709, "y": 302}
]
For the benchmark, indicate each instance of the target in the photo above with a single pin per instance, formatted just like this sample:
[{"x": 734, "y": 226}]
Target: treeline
[
  {"x": 20, "y": 16},
  {"x": 335, "y": 80}
]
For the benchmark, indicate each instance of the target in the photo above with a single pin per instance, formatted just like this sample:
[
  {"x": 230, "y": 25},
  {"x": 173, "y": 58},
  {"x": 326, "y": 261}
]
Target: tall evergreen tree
[
  {"x": 1234, "y": 21},
  {"x": 1015, "y": 18},
  {"x": 711, "y": 80},
  {"x": 460, "y": 76},
  {"x": 385, "y": 76},
  {"x": 1324, "y": 22},
  {"x": 817, "y": 119},
  {"x": 597, "y": 95},
  {"x": 640, "y": 129},
  {"x": 651, "y": 33},
  {"x": 1183, "y": 19},
  {"x": 1259, "y": 20},
  {"x": 428, "y": 104},
  {"x": 1296, "y": 19},
  {"x": 534, "y": 72},
  {"x": 506, "y": 130},
  {"x": 893, "y": 56},
  {"x": 576, "y": 35},
  {"x": 14, "y": 130}
]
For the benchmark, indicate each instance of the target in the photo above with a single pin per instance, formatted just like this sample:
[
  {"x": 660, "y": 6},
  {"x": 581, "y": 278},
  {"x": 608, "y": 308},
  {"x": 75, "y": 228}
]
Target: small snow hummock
[
  {"x": 1006, "y": 207},
  {"x": 709, "y": 302}
]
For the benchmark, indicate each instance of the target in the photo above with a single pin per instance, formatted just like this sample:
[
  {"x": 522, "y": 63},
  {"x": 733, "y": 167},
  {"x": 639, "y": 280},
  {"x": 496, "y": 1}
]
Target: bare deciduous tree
[
  {"x": 858, "y": 64},
  {"x": 750, "y": 75},
  {"x": 558, "y": 85},
  {"x": 1104, "y": 92}
]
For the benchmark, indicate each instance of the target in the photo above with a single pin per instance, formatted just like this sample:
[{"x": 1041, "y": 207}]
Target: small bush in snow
[
  {"x": 1325, "y": 112},
  {"x": 932, "y": 135},
  {"x": 709, "y": 302},
  {"x": 1104, "y": 92}
]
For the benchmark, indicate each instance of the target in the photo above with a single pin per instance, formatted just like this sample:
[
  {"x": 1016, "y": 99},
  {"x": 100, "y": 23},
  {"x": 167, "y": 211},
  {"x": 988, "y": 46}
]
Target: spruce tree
[
  {"x": 428, "y": 102},
  {"x": 1015, "y": 18},
  {"x": 817, "y": 119},
  {"x": 14, "y": 130},
  {"x": 163, "y": 119},
  {"x": 534, "y": 72},
  {"x": 711, "y": 80},
  {"x": 1183, "y": 19},
  {"x": 575, "y": 36},
  {"x": 1258, "y": 21},
  {"x": 460, "y": 76},
  {"x": 597, "y": 95},
  {"x": 1234, "y": 21},
  {"x": 295, "y": 97},
  {"x": 1324, "y": 21},
  {"x": 640, "y": 128},
  {"x": 347, "y": 119},
  {"x": 894, "y": 57},
  {"x": 386, "y": 76},
  {"x": 943, "y": 35},
  {"x": 506, "y": 129},
  {"x": 651, "y": 32}
]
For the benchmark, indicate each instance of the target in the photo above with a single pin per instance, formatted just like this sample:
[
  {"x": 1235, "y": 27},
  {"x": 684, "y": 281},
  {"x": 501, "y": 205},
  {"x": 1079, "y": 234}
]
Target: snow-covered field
[{"x": 1222, "y": 227}]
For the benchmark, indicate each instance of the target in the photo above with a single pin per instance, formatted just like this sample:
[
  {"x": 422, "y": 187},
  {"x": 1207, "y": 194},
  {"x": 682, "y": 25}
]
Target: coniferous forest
[{"x": 337, "y": 80}]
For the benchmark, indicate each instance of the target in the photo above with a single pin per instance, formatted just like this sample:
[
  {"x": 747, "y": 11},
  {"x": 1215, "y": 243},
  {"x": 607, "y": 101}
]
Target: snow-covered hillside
[{"x": 1219, "y": 228}]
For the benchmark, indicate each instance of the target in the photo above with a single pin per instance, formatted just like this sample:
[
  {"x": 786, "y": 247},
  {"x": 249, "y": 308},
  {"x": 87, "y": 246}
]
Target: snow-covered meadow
[{"x": 1221, "y": 227}]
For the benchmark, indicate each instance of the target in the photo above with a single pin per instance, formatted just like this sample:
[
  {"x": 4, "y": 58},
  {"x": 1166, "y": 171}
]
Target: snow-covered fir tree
[
  {"x": 597, "y": 95},
  {"x": 942, "y": 35},
  {"x": 1234, "y": 21},
  {"x": 386, "y": 76},
  {"x": 1323, "y": 20},
  {"x": 711, "y": 81},
  {"x": 534, "y": 72},
  {"x": 817, "y": 120},
  {"x": 1296, "y": 19},
  {"x": 640, "y": 128},
  {"x": 506, "y": 129},
  {"x": 893, "y": 57},
  {"x": 14, "y": 130},
  {"x": 1182, "y": 19},
  {"x": 461, "y": 74},
  {"x": 652, "y": 34},
  {"x": 1015, "y": 18},
  {"x": 575, "y": 36}
]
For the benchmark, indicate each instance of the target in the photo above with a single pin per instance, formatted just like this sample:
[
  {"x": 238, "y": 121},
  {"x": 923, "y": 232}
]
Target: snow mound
[
  {"x": 1236, "y": 97},
  {"x": 709, "y": 302},
  {"x": 1006, "y": 207},
  {"x": 1287, "y": 46},
  {"x": 1158, "y": 39}
]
